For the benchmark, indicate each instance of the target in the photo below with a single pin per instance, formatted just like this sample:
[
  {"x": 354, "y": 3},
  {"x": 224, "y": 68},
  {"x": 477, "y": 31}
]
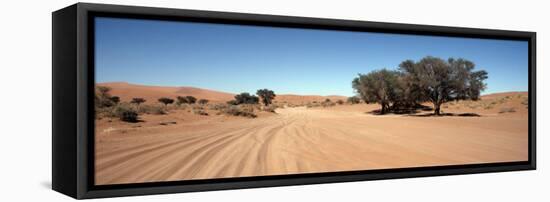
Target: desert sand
[
  {"x": 127, "y": 91},
  {"x": 184, "y": 146}
]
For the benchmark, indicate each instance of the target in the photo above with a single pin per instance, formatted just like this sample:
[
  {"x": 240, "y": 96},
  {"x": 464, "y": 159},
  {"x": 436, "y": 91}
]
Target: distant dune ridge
[{"x": 127, "y": 91}]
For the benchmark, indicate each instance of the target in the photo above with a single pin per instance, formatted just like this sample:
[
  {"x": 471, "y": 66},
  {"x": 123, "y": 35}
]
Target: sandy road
[{"x": 300, "y": 140}]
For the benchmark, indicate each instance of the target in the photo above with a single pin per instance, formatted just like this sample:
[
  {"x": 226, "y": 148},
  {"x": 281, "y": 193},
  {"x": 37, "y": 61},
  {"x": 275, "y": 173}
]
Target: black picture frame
[{"x": 73, "y": 88}]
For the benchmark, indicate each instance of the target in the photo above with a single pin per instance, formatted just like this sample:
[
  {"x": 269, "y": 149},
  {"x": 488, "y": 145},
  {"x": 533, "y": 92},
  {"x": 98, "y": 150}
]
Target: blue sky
[{"x": 236, "y": 58}]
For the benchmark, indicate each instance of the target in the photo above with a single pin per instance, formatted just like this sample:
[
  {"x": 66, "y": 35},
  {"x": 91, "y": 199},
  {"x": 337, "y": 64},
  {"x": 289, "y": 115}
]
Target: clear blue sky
[{"x": 236, "y": 58}]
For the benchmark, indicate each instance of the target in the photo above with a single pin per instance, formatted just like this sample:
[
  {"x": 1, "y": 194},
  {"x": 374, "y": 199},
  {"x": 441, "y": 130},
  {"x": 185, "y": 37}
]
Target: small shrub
[
  {"x": 126, "y": 113},
  {"x": 507, "y": 110},
  {"x": 240, "y": 111},
  {"x": 181, "y": 100},
  {"x": 165, "y": 100},
  {"x": 354, "y": 100},
  {"x": 137, "y": 100},
  {"x": 191, "y": 99},
  {"x": 203, "y": 101},
  {"x": 217, "y": 106},
  {"x": 115, "y": 99},
  {"x": 327, "y": 103},
  {"x": 340, "y": 102},
  {"x": 152, "y": 109},
  {"x": 312, "y": 104},
  {"x": 246, "y": 98},
  {"x": 200, "y": 112}
]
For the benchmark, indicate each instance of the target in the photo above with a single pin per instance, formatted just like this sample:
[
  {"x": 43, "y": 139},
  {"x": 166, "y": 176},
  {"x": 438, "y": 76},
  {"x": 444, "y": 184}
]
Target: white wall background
[{"x": 25, "y": 104}]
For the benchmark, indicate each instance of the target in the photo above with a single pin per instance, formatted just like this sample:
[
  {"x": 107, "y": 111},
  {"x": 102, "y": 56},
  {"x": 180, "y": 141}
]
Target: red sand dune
[{"x": 127, "y": 91}]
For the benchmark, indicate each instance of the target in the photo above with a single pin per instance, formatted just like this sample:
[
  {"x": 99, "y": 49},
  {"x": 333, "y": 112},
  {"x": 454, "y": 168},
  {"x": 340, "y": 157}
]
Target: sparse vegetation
[
  {"x": 199, "y": 110},
  {"x": 126, "y": 113},
  {"x": 137, "y": 101},
  {"x": 242, "y": 110},
  {"x": 103, "y": 97},
  {"x": 266, "y": 95},
  {"x": 327, "y": 103},
  {"x": 115, "y": 99},
  {"x": 166, "y": 101},
  {"x": 203, "y": 101},
  {"x": 185, "y": 100},
  {"x": 340, "y": 102},
  {"x": 354, "y": 100},
  {"x": 507, "y": 110},
  {"x": 430, "y": 79},
  {"x": 152, "y": 109},
  {"x": 378, "y": 86},
  {"x": 245, "y": 98}
]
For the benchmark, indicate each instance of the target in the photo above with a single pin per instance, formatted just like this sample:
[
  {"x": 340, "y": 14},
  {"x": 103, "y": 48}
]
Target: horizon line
[{"x": 184, "y": 86}]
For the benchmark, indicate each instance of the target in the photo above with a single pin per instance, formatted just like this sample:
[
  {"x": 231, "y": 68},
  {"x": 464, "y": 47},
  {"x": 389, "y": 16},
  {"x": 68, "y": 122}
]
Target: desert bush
[
  {"x": 181, "y": 100},
  {"x": 166, "y": 101},
  {"x": 200, "y": 111},
  {"x": 115, "y": 99},
  {"x": 240, "y": 111},
  {"x": 126, "y": 113},
  {"x": 102, "y": 112},
  {"x": 245, "y": 98},
  {"x": 327, "y": 103},
  {"x": 354, "y": 100},
  {"x": 102, "y": 97},
  {"x": 177, "y": 107},
  {"x": 340, "y": 102},
  {"x": 217, "y": 106},
  {"x": 507, "y": 110},
  {"x": 186, "y": 100},
  {"x": 203, "y": 101},
  {"x": 137, "y": 100},
  {"x": 191, "y": 99},
  {"x": 313, "y": 104},
  {"x": 152, "y": 109}
]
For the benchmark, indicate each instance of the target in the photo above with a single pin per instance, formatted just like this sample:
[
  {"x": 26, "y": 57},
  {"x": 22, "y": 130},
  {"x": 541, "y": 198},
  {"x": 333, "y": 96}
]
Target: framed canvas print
[{"x": 155, "y": 100}]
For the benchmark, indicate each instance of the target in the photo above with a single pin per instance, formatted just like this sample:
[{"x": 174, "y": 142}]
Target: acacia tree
[
  {"x": 137, "y": 100},
  {"x": 166, "y": 101},
  {"x": 181, "y": 100},
  {"x": 439, "y": 81},
  {"x": 103, "y": 97},
  {"x": 191, "y": 99},
  {"x": 378, "y": 86},
  {"x": 266, "y": 95},
  {"x": 246, "y": 98}
]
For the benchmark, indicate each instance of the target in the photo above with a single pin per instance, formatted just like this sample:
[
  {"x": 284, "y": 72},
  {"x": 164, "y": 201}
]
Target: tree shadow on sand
[
  {"x": 402, "y": 111},
  {"x": 446, "y": 114},
  {"x": 418, "y": 111}
]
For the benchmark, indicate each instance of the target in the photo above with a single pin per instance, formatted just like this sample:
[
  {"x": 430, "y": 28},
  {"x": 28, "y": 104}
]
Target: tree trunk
[
  {"x": 384, "y": 109},
  {"x": 437, "y": 109}
]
